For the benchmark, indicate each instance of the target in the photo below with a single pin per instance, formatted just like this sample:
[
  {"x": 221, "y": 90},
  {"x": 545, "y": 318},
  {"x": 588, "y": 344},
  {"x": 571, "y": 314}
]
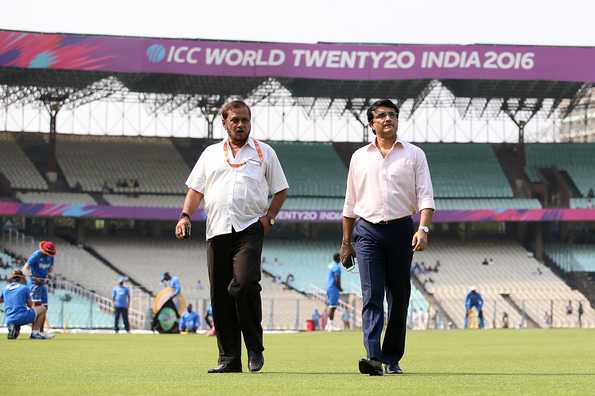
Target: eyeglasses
[{"x": 391, "y": 114}]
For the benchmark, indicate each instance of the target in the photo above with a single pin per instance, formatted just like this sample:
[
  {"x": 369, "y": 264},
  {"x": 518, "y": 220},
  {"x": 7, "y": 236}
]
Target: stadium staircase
[
  {"x": 583, "y": 281},
  {"x": 527, "y": 320},
  {"x": 512, "y": 166},
  {"x": 107, "y": 263},
  {"x": 190, "y": 149},
  {"x": 432, "y": 301},
  {"x": 345, "y": 150},
  {"x": 35, "y": 146}
]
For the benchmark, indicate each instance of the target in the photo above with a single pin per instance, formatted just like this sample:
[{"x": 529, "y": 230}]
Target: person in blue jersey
[
  {"x": 19, "y": 309},
  {"x": 38, "y": 268},
  {"x": 474, "y": 300},
  {"x": 121, "y": 299},
  {"x": 173, "y": 281},
  {"x": 209, "y": 321},
  {"x": 333, "y": 289},
  {"x": 190, "y": 321}
]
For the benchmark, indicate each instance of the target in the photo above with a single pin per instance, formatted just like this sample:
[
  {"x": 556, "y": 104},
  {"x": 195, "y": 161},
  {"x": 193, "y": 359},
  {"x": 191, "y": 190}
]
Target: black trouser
[
  {"x": 234, "y": 274},
  {"x": 124, "y": 313}
]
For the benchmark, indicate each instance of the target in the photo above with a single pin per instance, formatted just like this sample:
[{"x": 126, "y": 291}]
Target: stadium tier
[
  {"x": 582, "y": 203},
  {"x": 466, "y": 171},
  {"x": 573, "y": 257},
  {"x": 312, "y": 169},
  {"x": 68, "y": 310},
  {"x": 576, "y": 159},
  {"x": 72, "y": 262},
  {"x": 121, "y": 164},
  {"x": 511, "y": 281},
  {"x": 17, "y": 168},
  {"x": 56, "y": 198},
  {"x": 145, "y": 200},
  {"x": 487, "y": 203}
]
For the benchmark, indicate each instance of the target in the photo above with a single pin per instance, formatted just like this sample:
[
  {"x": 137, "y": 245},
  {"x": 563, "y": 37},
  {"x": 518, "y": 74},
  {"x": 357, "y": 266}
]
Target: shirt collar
[
  {"x": 372, "y": 145},
  {"x": 249, "y": 142}
]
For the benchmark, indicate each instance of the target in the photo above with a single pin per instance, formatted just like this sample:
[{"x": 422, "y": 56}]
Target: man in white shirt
[
  {"x": 388, "y": 181},
  {"x": 235, "y": 177}
]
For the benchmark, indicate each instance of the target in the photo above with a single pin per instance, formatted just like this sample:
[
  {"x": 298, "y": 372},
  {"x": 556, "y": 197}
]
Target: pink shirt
[{"x": 382, "y": 189}]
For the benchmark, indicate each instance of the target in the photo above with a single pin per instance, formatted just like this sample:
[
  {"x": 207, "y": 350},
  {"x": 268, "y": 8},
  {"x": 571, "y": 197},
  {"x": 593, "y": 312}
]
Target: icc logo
[{"x": 156, "y": 53}]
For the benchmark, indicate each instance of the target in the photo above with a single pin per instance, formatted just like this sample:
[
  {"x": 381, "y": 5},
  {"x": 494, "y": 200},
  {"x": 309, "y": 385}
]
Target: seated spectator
[
  {"x": 485, "y": 261},
  {"x": 189, "y": 322}
]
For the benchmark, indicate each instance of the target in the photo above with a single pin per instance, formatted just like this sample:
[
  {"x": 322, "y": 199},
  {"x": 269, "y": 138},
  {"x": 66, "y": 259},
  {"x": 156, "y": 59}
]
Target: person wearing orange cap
[{"x": 39, "y": 266}]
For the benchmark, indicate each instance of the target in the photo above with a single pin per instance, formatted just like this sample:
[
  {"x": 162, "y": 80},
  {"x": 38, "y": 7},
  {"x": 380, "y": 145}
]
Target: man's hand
[
  {"x": 345, "y": 252},
  {"x": 419, "y": 241},
  {"x": 266, "y": 225},
  {"x": 181, "y": 227}
]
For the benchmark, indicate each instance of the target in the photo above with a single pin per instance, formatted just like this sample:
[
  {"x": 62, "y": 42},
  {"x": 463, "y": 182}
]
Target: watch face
[{"x": 272, "y": 221}]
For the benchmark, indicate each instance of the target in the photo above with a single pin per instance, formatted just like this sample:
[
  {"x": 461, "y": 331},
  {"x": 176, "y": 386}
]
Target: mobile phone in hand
[{"x": 187, "y": 231}]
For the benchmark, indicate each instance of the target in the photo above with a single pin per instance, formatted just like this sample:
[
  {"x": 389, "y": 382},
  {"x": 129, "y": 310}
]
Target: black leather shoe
[
  {"x": 255, "y": 361},
  {"x": 226, "y": 368},
  {"x": 370, "y": 366},
  {"x": 392, "y": 369}
]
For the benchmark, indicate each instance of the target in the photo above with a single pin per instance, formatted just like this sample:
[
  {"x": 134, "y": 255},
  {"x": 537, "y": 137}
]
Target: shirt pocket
[
  {"x": 401, "y": 173},
  {"x": 252, "y": 170}
]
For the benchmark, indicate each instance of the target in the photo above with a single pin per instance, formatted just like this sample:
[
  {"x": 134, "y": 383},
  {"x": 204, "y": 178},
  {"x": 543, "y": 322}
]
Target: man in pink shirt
[{"x": 388, "y": 181}]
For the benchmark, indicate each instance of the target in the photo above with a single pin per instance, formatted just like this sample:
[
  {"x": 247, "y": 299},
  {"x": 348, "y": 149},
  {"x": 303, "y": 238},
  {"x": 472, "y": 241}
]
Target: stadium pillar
[{"x": 539, "y": 250}]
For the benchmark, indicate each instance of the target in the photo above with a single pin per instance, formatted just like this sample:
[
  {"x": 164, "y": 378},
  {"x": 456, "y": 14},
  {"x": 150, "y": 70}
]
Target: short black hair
[
  {"x": 336, "y": 257},
  {"x": 234, "y": 104},
  {"x": 381, "y": 103}
]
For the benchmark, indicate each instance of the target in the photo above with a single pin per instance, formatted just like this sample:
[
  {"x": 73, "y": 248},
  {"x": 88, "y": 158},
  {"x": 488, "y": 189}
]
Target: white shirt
[
  {"x": 236, "y": 197},
  {"x": 382, "y": 189}
]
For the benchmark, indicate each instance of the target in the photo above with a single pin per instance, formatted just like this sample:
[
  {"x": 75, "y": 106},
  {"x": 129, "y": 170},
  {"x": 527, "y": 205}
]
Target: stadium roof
[{"x": 71, "y": 68}]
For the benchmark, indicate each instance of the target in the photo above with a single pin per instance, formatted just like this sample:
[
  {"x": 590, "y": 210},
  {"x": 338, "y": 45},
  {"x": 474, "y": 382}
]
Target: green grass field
[{"x": 448, "y": 362}]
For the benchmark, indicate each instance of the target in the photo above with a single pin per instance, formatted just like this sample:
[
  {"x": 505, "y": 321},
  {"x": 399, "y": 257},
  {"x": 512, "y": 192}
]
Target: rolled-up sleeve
[
  {"x": 350, "y": 198},
  {"x": 423, "y": 183}
]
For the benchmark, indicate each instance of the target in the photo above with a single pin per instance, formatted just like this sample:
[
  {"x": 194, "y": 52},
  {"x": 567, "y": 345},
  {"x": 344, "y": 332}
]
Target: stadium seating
[
  {"x": 312, "y": 169},
  {"x": 576, "y": 159},
  {"x": 582, "y": 203},
  {"x": 17, "y": 168},
  {"x": 146, "y": 200},
  {"x": 56, "y": 198},
  {"x": 67, "y": 310},
  {"x": 511, "y": 272},
  {"x": 100, "y": 163},
  {"x": 572, "y": 257},
  {"x": 487, "y": 203},
  {"x": 466, "y": 171},
  {"x": 73, "y": 263},
  {"x": 145, "y": 259}
]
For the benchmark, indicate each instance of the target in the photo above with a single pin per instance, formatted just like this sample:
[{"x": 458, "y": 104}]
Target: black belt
[{"x": 394, "y": 221}]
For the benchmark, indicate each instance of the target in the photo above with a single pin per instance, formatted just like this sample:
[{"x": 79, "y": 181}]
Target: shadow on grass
[{"x": 434, "y": 374}]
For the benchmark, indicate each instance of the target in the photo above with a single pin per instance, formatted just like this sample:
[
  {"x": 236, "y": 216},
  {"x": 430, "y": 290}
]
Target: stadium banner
[
  {"x": 293, "y": 216},
  {"x": 331, "y": 61}
]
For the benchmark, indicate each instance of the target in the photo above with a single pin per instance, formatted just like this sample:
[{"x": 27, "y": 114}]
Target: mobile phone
[
  {"x": 350, "y": 262},
  {"x": 187, "y": 231}
]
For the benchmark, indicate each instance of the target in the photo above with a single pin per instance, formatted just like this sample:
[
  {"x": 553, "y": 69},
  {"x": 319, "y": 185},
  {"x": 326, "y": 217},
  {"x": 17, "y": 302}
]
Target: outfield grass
[{"x": 448, "y": 362}]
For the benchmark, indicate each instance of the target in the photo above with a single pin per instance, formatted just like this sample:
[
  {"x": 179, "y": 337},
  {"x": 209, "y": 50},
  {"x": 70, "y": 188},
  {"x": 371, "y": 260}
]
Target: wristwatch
[
  {"x": 424, "y": 228},
  {"x": 184, "y": 214},
  {"x": 271, "y": 220}
]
